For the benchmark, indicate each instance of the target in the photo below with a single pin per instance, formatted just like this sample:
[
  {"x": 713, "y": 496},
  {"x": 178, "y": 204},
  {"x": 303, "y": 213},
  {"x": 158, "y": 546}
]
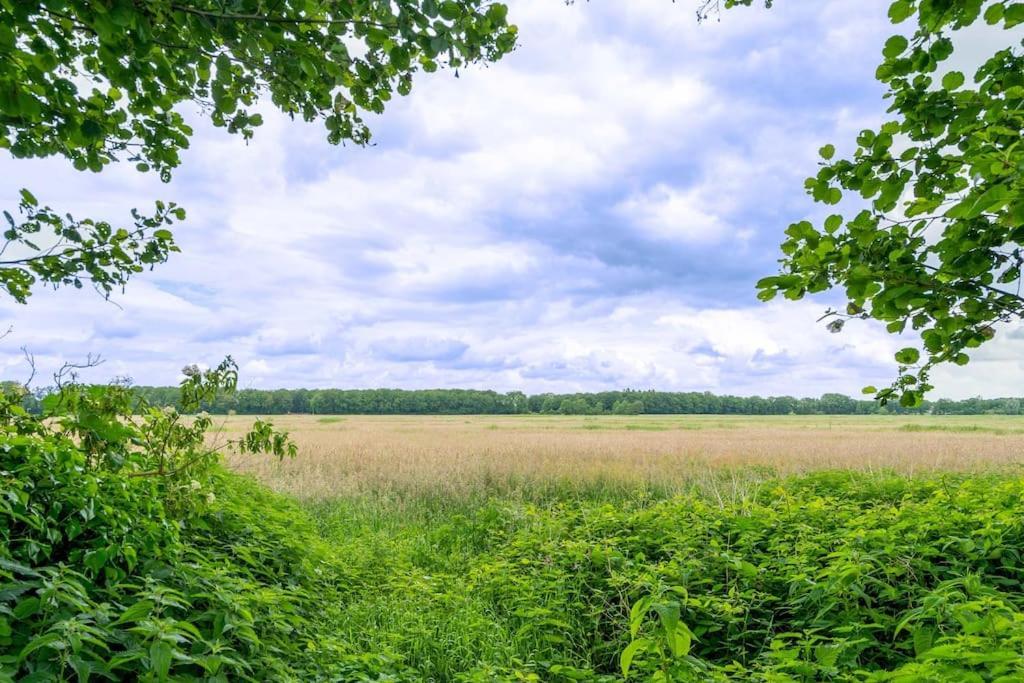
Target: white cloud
[
  {"x": 589, "y": 213},
  {"x": 667, "y": 213}
]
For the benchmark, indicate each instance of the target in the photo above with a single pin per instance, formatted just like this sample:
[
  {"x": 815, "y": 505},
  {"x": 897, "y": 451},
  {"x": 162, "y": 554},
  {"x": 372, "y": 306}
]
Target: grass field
[
  {"x": 537, "y": 548},
  {"x": 525, "y": 455}
]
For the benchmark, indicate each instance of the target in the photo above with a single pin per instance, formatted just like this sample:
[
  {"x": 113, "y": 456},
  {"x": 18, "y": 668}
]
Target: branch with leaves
[
  {"x": 101, "y": 83},
  {"x": 118, "y": 431},
  {"x": 938, "y": 250},
  {"x": 58, "y": 250}
]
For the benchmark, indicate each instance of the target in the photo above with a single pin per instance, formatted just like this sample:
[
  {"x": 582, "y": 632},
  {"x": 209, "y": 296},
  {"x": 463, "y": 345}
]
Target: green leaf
[
  {"x": 952, "y": 80},
  {"x": 1013, "y": 15},
  {"x": 160, "y": 659},
  {"x": 900, "y": 10},
  {"x": 450, "y": 10},
  {"x": 910, "y": 399},
  {"x": 42, "y": 641},
  {"x": 26, "y": 608},
  {"x": 908, "y": 356},
  {"x": 827, "y": 152},
  {"x": 994, "y": 13},
  {"x": 630, "y": 652},
  {"x": 895, "y": 46},
  {"x": 682, "y": 640},
  {"x": 137, "y": 611},
  {"x": 668, "y": 613},
  {"x": 637, "y": 613}
]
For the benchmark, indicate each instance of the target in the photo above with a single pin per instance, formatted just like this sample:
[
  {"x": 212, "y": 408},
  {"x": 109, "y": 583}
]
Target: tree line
[{"x": 626, "y": 402}]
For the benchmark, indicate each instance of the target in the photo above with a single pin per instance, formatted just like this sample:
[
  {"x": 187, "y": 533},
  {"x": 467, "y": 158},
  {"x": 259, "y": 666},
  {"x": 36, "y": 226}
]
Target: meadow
[
  {"x": 460, "y": 457},
  {"x": 672, "y": 548}
]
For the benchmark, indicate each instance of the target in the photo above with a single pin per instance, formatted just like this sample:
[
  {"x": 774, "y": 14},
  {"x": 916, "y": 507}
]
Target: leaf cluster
[
  {"x": 58, "y": 250},
  {"x": 126, "y": 553},
  {"x": 98, "y": 82},
  {"x": 938, "y": 248}
]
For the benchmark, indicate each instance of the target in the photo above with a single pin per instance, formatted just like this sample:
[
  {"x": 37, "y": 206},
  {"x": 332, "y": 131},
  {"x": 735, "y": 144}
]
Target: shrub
[{"x": 127, "y": 553}]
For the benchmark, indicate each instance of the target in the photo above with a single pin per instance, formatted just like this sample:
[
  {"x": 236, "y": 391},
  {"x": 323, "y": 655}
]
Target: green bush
[
  {"x": 832, "y": 576},
  {"x": 126, "y": 553},
  {"x": 826, "y": 577}
]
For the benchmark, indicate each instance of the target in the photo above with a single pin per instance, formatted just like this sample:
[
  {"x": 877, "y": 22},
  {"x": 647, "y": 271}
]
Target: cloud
[
  {"x": 666, "y": 213},
  {"x": 421, "y": 349},
  {"x": 225, "y": 330},
  {"x": 590, "y": 213},
  {"x": 116, "y": 328},
  {"x": 285, "y": 345}
]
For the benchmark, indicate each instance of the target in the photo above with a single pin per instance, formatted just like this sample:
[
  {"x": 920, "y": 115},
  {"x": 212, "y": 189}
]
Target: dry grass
[{"x": 463, "y": 456}]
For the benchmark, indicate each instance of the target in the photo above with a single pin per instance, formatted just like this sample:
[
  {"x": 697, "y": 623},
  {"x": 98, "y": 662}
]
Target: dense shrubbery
[
  {"x": 827, "y": 577},
  {"x": 126, "y": 553}
]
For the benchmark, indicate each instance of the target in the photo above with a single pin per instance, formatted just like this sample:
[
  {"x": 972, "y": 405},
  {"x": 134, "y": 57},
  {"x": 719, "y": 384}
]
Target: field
[
  {"x": 676, "y": 548},
  {"x": 470, "y": 457}
]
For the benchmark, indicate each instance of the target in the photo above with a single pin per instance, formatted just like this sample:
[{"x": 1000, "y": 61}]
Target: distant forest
[{"x": 628, "y": 402}]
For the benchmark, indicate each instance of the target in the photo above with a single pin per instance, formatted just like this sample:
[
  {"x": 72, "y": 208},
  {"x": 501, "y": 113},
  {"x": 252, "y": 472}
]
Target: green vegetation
[
  {"x": 959, "y": 428},
  {"x": 834, "y": 576},
  {"x": 124, "y": 561},
  {"x": 127, "y": 553},
  {"x": 474, "y": 402},
  {"x": 108, "y": 82},
  {"x": 937, "y": 248}
]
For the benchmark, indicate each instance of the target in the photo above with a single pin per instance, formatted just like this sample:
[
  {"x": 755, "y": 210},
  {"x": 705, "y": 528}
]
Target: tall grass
[{"x": 532, "y": 458}]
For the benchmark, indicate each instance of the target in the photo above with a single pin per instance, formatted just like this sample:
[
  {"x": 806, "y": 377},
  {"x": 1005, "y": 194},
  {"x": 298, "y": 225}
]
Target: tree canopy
[
  {"x": 101, "y": 82},
  {"x": 935, "y": 243}
]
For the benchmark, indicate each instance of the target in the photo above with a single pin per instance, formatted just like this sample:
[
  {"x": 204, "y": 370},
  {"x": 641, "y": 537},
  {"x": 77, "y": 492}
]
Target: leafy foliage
[
  {"x": 938, "y": 250},
  {"x": 832, "y": 576},
  {"x": 59, "y": 250},
  {"x": 126, "y": 553},
  {"x": 99, "y": 83},
  {"x": 325, "y": 60}
]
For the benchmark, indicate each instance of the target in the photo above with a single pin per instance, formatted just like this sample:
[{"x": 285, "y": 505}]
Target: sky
[{"x": 590, "y": 213}]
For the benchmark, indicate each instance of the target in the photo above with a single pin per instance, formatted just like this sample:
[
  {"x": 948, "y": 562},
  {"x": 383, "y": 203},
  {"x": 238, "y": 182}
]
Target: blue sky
[{"x": 591, "y": 213}]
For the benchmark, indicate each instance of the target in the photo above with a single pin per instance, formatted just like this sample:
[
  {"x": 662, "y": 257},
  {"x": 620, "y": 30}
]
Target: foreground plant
[{"x": 117, "y": 558}]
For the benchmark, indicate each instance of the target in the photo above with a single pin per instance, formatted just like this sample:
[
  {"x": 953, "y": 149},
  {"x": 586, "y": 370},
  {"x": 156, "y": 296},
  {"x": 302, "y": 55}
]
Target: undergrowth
[
  {"x": 128, "y": 553},
  {"x": 831, "y": 576}
]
